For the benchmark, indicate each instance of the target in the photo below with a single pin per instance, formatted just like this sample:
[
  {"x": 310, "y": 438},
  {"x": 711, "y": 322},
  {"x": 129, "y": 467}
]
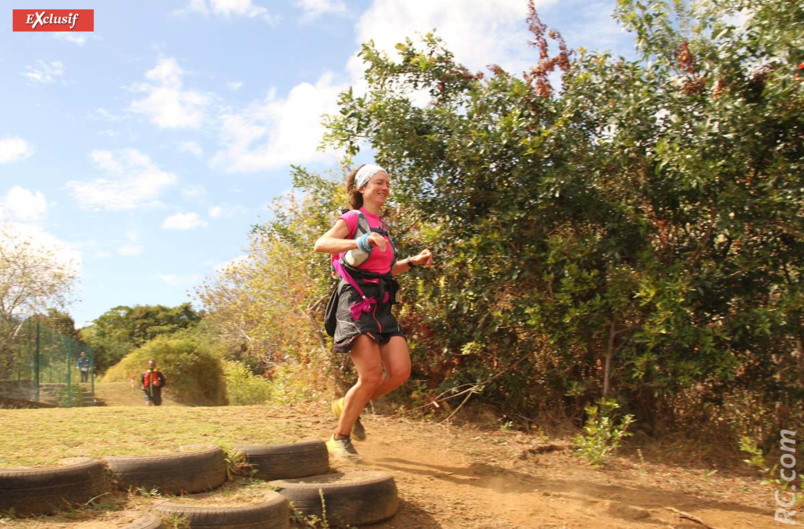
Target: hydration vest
[
  {"x": 151, "y": 377},
  {"x": 342, "y": 263},
  {"x": 355, "y": 258}
]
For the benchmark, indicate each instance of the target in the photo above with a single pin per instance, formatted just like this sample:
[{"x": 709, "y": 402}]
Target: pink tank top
[{"x": 379, "y": 262}]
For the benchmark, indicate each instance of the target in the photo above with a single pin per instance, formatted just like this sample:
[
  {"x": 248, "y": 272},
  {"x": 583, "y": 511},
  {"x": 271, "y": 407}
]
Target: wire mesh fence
[{"x": 40, "y": 365}]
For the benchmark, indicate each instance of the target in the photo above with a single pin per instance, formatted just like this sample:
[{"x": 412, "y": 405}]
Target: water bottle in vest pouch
[{"x": 356, "y": 257}]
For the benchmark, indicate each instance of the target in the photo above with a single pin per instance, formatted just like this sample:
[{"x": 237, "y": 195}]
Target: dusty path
[
  {"x": 457, "y": 478},
  {"x": 124, "y": 394},
  {"x": 452, "y": 477}
]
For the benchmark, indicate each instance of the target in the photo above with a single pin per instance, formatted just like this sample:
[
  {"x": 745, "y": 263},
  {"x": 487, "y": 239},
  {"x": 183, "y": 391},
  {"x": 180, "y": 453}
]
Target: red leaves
[
  {"x": 537, "y": 78},
  {"x": 694, "y": 84},
  {"x": 685, "y": 58}
]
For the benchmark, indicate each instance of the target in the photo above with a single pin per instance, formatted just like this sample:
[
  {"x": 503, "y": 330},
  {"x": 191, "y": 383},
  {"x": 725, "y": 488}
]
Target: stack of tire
[{"x": 299, "y": 472}]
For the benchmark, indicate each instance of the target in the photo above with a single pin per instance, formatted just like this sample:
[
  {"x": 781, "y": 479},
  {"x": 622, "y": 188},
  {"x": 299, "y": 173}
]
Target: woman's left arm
[{"x": 423, "y": 258}]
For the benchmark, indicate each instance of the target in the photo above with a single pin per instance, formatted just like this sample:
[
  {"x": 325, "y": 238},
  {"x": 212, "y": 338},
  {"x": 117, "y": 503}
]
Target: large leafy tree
[
  {"x": 60, "y": 322},
  {"x": 637, "y": 233},
  {"x": 122, "y": 329},
  {"x": 33, "y": 280}
]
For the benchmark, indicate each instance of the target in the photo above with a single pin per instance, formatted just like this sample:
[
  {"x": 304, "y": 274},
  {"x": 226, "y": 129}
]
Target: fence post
[
  {"x": 36, "y": 364},
  {"x": 92, "y": 371},
  {"x": 69, "y": 373}
]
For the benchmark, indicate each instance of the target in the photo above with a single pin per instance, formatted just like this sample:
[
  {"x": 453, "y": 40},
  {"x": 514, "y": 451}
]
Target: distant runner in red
[
  {"x": 152, "y": 383},
  {"x": 359, "y": 314}
]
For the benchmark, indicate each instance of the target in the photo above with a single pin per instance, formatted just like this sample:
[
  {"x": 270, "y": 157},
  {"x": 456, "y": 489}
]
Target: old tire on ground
[
  {"x": 308, "y": 457},
  {"x": 146, "y": 521},
  {"x": 193, "y": 471},
  {"x": 274, "y": 513},
  {"x": 351, "y": 498},
  {"x": 45, "y": 490}
]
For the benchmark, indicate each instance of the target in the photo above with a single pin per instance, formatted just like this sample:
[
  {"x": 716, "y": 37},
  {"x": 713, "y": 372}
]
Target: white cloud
[
  {"x": 227, "y": 9},
  {"x": 234, "y": 85},
  {"x": 479, "y": 32},
  {"x": 198, "y": 7},
  {"x": 277, "y": 132},
  {"x": 192, "y": 147},
  {"x": 241, "y": 8},
  {"x": 44, "y": 72},
  {"x": 315, "y": 8},
  {"x": 104, "y": 115},
  {"x": 132, "y": 246},
  {"x": 194, "y": 192},
  {"x": 166, "y": 104},
  {"x": 24, "y": 205},
  {"x": 183, "y": 221},
  {"x": 134, "y": 182},
  {"x": 14, "y": 149},
  {"x": 231, "y": 263},
  {"x": 226, "y": 211},
  {"x": 176, "y": 280},
  {"x": 95, "y": 248},
  {"x": 129, "y": 249},
  {"x": 170, "y": 279},
  {"x": 75, "y": 38}
]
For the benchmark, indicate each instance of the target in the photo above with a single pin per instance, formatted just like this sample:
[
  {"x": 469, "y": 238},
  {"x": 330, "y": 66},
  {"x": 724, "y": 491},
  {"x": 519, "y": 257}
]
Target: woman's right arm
[{"x": 335, "y": 241}]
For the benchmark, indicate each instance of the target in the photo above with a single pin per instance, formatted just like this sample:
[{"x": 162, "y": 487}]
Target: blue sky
[{"x": 143, "y": 152}]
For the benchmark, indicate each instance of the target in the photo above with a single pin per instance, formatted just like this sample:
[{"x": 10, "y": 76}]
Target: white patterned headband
[{"x": 365, "y": 173}]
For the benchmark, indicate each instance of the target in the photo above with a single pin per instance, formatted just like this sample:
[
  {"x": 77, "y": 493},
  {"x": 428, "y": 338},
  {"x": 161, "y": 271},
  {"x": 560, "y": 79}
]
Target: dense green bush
[
  {"x": 243, "y": 387},
  {"x": 293, "y": 383},
  {"x": 121, "y": 329},
  {"x": 636, "y": 235},
  {"x": 195, "y": 376}
]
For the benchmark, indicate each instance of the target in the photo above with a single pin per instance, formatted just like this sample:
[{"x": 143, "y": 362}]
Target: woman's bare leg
[
  {"x": 396, "y": 361},
  {"x": 366, "y": 355}
]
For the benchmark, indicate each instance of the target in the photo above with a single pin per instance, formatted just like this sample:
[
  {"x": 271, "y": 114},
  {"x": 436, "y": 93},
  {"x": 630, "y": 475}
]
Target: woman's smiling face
[{"x": 377, "y": 189}]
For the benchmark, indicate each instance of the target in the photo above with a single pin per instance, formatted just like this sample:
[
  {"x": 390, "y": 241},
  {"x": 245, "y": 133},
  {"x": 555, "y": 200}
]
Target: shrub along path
[{"x": 462, "y": 477}]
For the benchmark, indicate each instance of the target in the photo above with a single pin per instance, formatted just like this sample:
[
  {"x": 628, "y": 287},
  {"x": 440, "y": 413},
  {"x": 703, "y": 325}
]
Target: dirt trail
[
  {"x": 124, "y": 394},
  {"x": 452, "y": 477},
  {"x": 466, "y": 477}
]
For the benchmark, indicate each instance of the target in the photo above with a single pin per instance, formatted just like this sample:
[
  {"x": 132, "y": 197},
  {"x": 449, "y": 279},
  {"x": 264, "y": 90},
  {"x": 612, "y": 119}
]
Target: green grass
[{"x": 40, "y": 437}]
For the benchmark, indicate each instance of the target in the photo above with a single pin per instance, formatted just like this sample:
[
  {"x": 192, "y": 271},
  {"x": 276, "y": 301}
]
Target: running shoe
[
  {"x": 358, "y": 432},
  {"x": 342, "y": 448}
]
